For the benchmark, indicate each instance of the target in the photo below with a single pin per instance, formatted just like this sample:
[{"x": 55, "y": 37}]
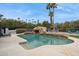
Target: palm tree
[
  {"x": 1, "y": 16},
  {"x": 18, "y": 18},
  {"x": 1, "y": 19},
  {"x": 51, "y": 7},
  {"x": 32, "y": 20},
  {"x": 37, "y": 21},
  {"x": 26, "y": 20}
]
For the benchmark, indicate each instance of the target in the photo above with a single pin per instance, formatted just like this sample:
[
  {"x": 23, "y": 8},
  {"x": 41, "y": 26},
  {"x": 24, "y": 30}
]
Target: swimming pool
[{"x": 36, "y": 40}]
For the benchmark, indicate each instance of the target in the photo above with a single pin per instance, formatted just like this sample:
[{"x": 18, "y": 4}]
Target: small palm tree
[
  {"x": 18, "y": 18},
  {"x": 50, "y": 7},
  {"x": 26, "y": 20},
  {"x": 1, "y": 16},
  {"x": 1, "y": 19}
]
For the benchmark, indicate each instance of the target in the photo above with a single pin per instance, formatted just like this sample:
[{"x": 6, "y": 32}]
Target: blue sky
[{"x": 37, "y": 11}]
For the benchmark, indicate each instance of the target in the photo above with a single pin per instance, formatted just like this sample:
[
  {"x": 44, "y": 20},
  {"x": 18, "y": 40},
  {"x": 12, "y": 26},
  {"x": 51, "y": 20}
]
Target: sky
[{"x": 37, "y": 11}]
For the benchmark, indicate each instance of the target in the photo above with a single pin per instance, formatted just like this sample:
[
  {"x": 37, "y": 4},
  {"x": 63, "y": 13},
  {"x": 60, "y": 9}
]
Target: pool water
[{"x": 36, "y": 40}]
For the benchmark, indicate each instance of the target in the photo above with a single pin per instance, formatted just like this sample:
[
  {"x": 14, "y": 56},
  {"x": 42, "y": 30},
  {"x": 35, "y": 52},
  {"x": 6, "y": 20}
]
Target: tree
[
  {"x": 1, "y": 19},
  {"x": 37, "y": 21},
  {"x": 1, "y": 16},
  {"x": 18, "y": 18},
  {"x": 45, "y": 24},
  {"x": 50, "y": 7},
  {"x": 26, "y": 20}
]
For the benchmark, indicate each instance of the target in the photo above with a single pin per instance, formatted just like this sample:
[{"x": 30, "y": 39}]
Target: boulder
[{"x": 40, "y": 29}]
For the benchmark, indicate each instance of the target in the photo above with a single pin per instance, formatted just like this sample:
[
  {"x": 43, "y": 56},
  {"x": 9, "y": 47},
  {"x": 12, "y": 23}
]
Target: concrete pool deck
[{"x": 9, "y": 46}]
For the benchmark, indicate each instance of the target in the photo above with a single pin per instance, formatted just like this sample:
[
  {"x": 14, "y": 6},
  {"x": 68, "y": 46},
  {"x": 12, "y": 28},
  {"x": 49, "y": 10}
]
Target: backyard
[{"x": 24, "y": 31}]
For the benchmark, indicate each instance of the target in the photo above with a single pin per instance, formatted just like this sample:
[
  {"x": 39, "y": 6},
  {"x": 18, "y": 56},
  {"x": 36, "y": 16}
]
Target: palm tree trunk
[{"x": 53, "y": 21}]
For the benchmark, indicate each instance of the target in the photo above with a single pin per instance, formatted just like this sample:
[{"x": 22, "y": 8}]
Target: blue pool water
[{"x": 36, "y": 40}]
